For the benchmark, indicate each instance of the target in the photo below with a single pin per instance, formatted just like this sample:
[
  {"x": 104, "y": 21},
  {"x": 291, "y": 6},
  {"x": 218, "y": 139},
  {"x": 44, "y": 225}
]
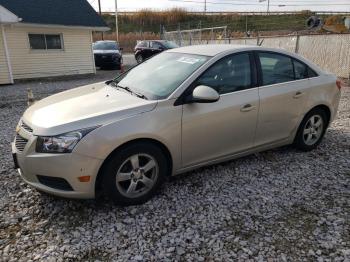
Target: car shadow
[{"x": 273, "y": 159}]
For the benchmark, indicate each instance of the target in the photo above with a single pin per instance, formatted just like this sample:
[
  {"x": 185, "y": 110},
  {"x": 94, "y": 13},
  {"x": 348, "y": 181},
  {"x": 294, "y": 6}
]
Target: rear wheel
[
  {"x": 133, "y": 175},
  {"x": 311, "y": 130}
]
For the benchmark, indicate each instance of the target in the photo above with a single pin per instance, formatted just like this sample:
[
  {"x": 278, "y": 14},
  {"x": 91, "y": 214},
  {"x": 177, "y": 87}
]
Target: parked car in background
[
  {"x": 148, "y": 48},
  {"x": 180, "y": 110},
  {"x": 107, "y": 54}
]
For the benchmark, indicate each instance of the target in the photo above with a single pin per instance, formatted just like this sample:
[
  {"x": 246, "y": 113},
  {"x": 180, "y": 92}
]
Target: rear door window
[
  {"x": 143, "y": 44},
  {"x": 275, "y": 68},
  {"x": 156, "y": 45}
]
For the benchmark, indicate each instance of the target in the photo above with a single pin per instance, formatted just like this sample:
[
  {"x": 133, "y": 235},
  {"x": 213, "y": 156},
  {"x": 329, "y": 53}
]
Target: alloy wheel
[
  {"x": 313, "y": 130},
  {"x": 137, "y": 175}
]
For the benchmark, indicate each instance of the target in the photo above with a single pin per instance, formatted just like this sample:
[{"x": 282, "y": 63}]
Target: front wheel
[
  {"x": 133, "y": 174},
  {"x": 139, "y": 59},
  {"x": 311, "y": 130}
]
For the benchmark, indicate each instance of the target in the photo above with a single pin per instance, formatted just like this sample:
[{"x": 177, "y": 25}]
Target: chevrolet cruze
[{"x": 182, "y": 109}]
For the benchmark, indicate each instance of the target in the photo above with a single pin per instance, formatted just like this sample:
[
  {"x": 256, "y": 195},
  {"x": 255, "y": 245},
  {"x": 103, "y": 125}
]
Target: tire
[
  {"x": 312, "y": 22},
  {"x": 139, "y": 59},
  {"x": 311, "y": 130},
  {"x": 134, "y": 174},
  {"x": 119, "y": 65}
]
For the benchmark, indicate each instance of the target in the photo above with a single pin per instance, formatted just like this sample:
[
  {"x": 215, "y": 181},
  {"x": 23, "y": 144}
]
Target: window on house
[{"x": 45, "y": 42}]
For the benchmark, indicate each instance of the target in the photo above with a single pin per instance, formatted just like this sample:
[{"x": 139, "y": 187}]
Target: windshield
[
  {"x": 159, "y": 76},
  {"x": 106, "y": 46},
  {"x": 170, "y": 45}
]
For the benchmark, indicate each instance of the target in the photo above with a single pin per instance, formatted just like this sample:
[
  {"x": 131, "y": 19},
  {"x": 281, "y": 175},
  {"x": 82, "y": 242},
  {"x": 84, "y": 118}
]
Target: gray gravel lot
[{"x": 280, "y": 205}]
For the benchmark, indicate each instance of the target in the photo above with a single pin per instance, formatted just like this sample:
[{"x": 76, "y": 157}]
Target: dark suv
[
  {"x": 147, "y": 48},
  {"x": 107, "y": 54}
]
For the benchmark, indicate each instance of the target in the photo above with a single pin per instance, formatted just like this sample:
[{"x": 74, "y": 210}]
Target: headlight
[{"x": 64, "y": 143}]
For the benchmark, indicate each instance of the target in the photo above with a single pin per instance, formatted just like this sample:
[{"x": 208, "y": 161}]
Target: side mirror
[
  {"x": 204, "y": 94},
  {"x": 121, "y": 49}
]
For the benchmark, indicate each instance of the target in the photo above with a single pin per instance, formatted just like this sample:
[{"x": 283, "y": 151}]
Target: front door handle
[
  {"x": 247, "y": 108},
  {"x": 298, "y": 95}
]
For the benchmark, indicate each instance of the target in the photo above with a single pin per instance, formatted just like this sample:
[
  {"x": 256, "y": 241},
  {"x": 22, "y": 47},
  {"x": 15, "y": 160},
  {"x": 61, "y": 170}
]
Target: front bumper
[
  {"x": 107, "y": 61},
  {"x": 70, "y": 167}
]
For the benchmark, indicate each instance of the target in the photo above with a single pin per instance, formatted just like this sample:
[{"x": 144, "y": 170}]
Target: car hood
[
  {"x": 106, "y": 52},
  {"x": 83, "y": 107}
]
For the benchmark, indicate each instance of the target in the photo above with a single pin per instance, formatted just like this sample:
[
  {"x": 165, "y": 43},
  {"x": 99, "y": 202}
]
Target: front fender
[{"x": 162, "y": 124}]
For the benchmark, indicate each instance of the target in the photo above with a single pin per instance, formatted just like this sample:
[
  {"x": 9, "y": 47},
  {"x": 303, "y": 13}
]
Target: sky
[{"x": 225, "y": 5}]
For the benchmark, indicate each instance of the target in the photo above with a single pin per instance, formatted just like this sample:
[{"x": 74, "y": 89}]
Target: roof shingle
[{"x": 55, "y": 12}]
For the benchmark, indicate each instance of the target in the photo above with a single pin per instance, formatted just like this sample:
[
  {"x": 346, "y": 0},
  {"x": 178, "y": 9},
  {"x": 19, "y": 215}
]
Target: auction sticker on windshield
[{"x": 188, "y": 60}]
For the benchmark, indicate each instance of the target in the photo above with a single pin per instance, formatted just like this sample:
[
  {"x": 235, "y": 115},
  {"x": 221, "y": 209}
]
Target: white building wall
[
  {"x": 4, "y": 72},
  {"x": 75, "y": 58}
]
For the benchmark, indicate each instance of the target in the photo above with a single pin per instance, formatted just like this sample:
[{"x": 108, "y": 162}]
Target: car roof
[
  {"x": 211, "y": 50},
  {"x": 156, "y": 40},
  {"x": 106, "y": 41}
]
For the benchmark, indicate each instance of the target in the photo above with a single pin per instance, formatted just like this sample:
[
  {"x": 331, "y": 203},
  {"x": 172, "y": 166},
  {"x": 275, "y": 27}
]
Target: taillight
[{"x": 338, "y": 83}]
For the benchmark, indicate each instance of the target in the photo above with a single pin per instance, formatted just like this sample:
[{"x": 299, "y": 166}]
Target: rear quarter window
[
  {"x": 311, "y": 73},
  {"x": 300, "y": 70},
  {"x": 303, "y": 71}
]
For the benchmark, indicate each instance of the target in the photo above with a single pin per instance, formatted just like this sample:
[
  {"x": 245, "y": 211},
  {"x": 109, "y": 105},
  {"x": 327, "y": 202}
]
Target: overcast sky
[{"x": 226, "y": 5}]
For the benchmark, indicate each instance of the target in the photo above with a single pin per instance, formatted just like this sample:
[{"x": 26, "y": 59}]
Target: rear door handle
[
  {"x": 247, "y": 108},
  {"x": 298, "y": 95}
]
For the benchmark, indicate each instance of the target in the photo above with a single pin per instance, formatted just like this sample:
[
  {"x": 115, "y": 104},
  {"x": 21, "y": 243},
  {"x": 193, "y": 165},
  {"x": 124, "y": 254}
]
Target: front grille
[
  {"x": 104, "y": 58},
  {"x": 20, "y": 142},
  {"x": 26, "y": 127},
  {"x": 55, "y": 182}
]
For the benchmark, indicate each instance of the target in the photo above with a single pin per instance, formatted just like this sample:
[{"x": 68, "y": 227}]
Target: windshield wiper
[
  {"x": 139, "y": 95},
  {"x": 132, "y": 92},
  {"x": 128, "y": 90}
]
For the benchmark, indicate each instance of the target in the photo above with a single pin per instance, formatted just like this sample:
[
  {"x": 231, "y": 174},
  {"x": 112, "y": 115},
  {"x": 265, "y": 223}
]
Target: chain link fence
[{"x": 330, "y": 51}]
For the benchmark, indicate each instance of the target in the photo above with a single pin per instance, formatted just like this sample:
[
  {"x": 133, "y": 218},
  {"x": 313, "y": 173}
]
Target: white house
[{"x": 45, "y": 38}]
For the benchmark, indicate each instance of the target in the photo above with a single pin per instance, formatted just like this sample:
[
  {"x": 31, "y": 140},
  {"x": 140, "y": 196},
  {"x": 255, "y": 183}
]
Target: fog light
[{"x": 84, "y": 178}]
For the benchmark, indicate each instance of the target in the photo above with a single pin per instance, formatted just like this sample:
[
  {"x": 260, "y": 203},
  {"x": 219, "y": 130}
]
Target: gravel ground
[{"x": 279, "y": 205}]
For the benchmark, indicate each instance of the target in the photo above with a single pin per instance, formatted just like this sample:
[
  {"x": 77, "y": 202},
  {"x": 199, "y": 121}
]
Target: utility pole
[
  {"x": 116, "y": 20},
  {"x": 268, "y": 5},
  {"x": 100, "y": 13},
  {"x": 205, "y": 7}
]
